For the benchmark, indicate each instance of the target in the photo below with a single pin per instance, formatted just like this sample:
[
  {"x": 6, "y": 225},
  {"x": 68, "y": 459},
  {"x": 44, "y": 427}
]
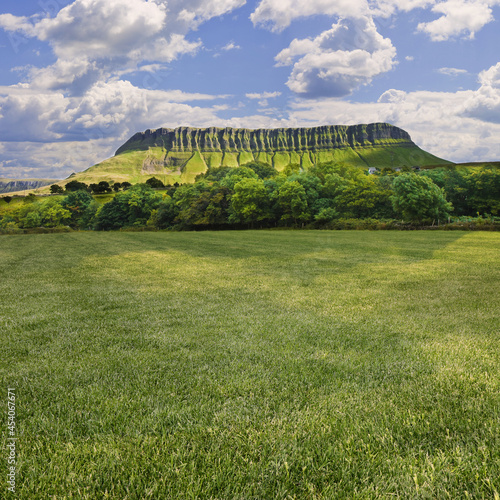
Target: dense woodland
[{"x": 328, "y": 195}]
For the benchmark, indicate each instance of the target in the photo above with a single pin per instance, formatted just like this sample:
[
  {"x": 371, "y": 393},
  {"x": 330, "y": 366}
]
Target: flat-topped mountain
[
  {"x": 186, "y": 139},
  {"x": 182, "y": 153}
]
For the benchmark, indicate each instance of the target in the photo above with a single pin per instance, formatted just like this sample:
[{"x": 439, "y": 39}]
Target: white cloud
[
  {"x": 94, "y": 40},
  {"x": 485, "y": 103},
  {"x": 452, "y": 71},
  {"x": 102, "y": 28},
  {"x": 392, "y": 96},
  {"x": 278, "y": 14},
  {"x": 388, "y": 8},
  {"x": 231, "y": 46},
  {"x": 339, "y": 60},
  {"x": 491, "y": 77},
  {"x": 16, "y": 23},
  {"x": 54, "y": 160},
  {"x": 108, "y": 109},
  {"x": 409, "y": 58},
  {"x": 195, "y": 12},
  {"x": 459, "y": 18},
  {"x": 263, "y": 95},
  {"x": 461, "y": 126}
]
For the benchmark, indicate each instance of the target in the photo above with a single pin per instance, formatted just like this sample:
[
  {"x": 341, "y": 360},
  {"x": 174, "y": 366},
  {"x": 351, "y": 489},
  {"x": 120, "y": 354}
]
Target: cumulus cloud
[
  {"x": 339, "y": 60},
  {"x": 278, "y": 14},
  {"x": 392, "y": 96},
  {"x": 461, "y": 126},
  {"x": 459, "y": 18},
  {"x": 97, "y": 39},
  {"x": 485, "y": 103},
  {"x": 107, "y": 109}
]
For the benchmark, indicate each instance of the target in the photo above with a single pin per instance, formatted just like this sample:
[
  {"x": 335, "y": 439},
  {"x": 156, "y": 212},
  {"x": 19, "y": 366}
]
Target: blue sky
[{"x": 78, "y": 78}]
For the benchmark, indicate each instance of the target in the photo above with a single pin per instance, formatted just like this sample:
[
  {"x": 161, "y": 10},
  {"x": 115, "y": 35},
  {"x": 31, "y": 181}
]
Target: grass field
[{"x": 252, "y": 364}]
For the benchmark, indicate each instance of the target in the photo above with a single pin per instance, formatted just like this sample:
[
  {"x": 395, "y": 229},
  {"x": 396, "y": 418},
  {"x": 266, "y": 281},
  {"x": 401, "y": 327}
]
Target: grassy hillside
[
  {"x": 238, "y": 365},
  {"x": 136, "y": 166}
]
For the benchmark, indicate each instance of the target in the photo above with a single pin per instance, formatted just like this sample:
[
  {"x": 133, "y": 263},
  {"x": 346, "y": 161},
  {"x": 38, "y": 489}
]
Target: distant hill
[
  {"x": 12, "y": 185},
  {"x": 179, "y": 155}
]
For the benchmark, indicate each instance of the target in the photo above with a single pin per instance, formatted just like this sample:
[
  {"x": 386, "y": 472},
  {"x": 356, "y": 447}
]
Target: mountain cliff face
[
  {"x": 12, "y": 185},
  {"x": 179, "y": 155},
  {"x": 186, "y": 139}
]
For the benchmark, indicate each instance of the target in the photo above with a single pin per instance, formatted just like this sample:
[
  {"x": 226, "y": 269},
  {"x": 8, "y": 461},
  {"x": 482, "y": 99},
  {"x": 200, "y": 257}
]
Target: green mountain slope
[{"x": 179, "y": 155}]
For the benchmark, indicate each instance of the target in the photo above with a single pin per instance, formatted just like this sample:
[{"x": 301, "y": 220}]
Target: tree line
[{"x": 256, "y": 195}]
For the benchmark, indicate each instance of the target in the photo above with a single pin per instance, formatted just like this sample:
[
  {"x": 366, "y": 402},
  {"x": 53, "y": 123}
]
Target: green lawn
[{"x": 253, "y": 364}]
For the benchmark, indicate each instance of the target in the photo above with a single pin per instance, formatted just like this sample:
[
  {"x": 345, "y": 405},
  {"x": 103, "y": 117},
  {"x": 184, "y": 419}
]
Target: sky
[{"x": 78, "y": 78}]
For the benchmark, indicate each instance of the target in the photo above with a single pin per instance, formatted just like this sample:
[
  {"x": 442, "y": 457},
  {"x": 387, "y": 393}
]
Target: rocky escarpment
[
  {"x": 12, "y": 185},
  {"x": 208, "y": 140}
]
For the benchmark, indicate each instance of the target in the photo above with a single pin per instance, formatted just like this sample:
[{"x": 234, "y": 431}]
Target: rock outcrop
[{"x": 13, "y": 185}]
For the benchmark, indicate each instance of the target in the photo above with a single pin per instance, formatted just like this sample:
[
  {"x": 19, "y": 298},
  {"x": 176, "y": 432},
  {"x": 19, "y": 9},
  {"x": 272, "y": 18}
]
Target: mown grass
[{"x": 253, "y": 364}]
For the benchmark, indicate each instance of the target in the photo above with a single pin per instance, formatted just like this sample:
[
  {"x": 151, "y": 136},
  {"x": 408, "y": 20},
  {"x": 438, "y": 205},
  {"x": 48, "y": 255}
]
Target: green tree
[
  {"x": 31, "y": 198},
  {"x": 312, "y": 185},
  {"x": 326, "y": 215},
  {"x": 250, "y": 202},
  {"x": 235, "y": 175},
  {"x": 101, "y": 188},
  {"x": 216, "y": 210},
  {"x": 155, "y": 183},
  {"x": 129, "y": 208},
  {"x": 263, "y": 170},
  {"x": 290, "y": 169},
  {"x": 56, "y": 189},
  {"x": 214, "y": 174},
  {"x": 417, "y": 198},
  {"x": 484, "y": 187},
  {"x": 53, "y": 213},
  {"x": 456, "y": 184},
  {"x": 76, "y": 186},
  {"x": 76, "y": 202},
  {"x": 364, "y": 198},
  {"x": 292, "y": 202},
  {"x": 166, "y": 213},
  {"x": 88, "y": 217},
  {"x": 32, "y": 219}
]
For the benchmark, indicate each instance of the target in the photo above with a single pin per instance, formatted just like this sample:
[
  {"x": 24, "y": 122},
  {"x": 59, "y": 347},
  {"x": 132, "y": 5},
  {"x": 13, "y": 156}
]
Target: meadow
[{"x": 252, "y": 364}]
